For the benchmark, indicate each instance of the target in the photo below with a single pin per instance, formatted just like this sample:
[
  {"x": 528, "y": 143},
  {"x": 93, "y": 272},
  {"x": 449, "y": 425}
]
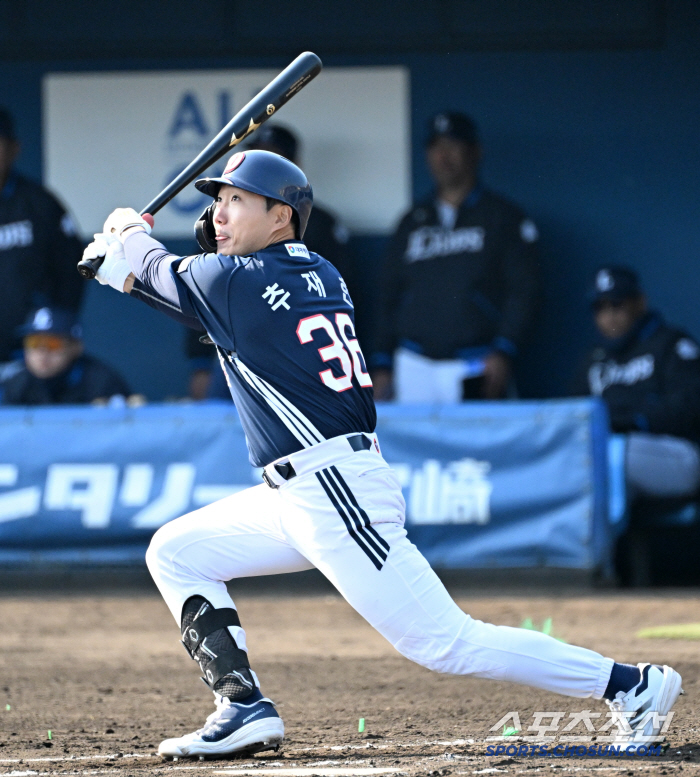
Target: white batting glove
[
  {"x": 98, "y": 248},
  {"x": 123, "y": 221},
  {"x": 114, "y": 270}
]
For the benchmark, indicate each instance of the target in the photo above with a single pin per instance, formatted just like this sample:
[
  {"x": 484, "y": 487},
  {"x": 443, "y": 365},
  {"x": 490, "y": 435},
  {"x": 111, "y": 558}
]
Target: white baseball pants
[{"x": 344, "y": 515}]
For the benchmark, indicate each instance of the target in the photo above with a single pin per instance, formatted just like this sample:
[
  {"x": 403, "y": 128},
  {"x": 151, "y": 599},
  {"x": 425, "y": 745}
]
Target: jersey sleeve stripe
[{"x": 276, "y": 400}]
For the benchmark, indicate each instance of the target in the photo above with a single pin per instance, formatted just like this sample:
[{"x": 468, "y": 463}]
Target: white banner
[{"x": 116, "y": 139}]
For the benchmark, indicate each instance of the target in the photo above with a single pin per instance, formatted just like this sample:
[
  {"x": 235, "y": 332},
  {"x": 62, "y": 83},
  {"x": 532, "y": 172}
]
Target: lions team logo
[{"x": 234, "y": 162}]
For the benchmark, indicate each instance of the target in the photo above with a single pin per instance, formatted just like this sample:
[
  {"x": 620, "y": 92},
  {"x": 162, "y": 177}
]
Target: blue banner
[{"x": 512, "y": 484}]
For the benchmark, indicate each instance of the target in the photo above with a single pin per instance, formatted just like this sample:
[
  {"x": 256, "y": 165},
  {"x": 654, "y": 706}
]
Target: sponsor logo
[
  {"x": 456, "y": 492},
  {"x": 99, "y": 493},
  {"x": 245, "y": 720},
  {"x": 431, "y": 242},
  {"x": 297, "y": 249}
]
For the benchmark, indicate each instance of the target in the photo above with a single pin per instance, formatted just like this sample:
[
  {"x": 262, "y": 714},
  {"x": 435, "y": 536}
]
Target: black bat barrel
[{"x": 264, "y": 105}]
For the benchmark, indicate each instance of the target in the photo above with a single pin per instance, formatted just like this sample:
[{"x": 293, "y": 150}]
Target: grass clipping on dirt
[{"x": 679, "y": 631}]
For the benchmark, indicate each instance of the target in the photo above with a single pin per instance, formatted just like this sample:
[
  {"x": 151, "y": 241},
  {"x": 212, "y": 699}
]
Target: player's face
[
  {"x": 452, "y": 162},
  {"x": 243, "y": 224},
  {"x": 47, "y": 355},
  {"x": 615, "y": 318}
]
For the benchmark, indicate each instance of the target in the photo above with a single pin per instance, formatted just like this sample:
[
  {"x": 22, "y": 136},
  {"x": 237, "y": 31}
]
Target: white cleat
[
  {"x": 234, "y": 728},
  {"x": 647, "y": 704}
]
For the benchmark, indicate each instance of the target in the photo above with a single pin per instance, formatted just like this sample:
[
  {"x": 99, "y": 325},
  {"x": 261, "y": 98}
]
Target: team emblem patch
[
  {"x": 234, "y": 162},
  {"x": 296, "y": 249},
  {"x": 687, "y": 349},
  {"x": 604, "y": 281},
  {"x": 528, "y": 231}
]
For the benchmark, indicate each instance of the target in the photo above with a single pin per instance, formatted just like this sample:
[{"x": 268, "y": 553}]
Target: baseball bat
[{"x": 265, "y": 104}]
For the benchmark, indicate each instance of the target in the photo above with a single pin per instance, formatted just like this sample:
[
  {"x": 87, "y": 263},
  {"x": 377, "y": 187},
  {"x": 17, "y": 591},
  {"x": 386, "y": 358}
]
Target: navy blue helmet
[{"x": 260, "y": 172}]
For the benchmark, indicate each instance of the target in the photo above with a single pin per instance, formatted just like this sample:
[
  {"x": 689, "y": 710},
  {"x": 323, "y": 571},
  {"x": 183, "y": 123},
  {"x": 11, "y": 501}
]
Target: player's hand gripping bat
[{"x": 293, "y": 78}]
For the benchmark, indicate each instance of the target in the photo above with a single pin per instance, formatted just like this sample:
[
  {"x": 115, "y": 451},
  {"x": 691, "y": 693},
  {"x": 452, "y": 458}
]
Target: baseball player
[{"x": 282, "y": 322}]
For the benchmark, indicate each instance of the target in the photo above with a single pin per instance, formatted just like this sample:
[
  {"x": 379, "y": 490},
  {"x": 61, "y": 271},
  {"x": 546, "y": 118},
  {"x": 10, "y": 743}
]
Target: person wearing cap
[
  {"x": 325, "y": 235},
  {"x": 460, "y": 282},
  {"x": 39, "y": 249},
  {"x": 283, "y": 325},
  {"x": 55, "y": 370},
  {"x": 648, "y": 374}
]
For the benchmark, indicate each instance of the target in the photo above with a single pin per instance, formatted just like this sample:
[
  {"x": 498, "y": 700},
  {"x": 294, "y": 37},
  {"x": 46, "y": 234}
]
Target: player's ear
[{"x": 284, "y": 215}]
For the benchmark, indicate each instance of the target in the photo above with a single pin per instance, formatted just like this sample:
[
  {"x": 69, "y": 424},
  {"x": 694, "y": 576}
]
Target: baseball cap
[
  {"x": 274, "y": 137},
  {"x": 7, "y": 124},
  {"x": 614, "y": 283},
  {"x": 451, "y": 124},
  {"x": 54, "y": 321}
]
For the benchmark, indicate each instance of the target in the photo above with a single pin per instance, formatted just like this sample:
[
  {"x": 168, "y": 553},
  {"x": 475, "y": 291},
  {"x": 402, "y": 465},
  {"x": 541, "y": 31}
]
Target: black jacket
[
  {"x": 650, "y": 380},
  {"x": 87, "y": 379},
  {"x": 446, "y": 291},
  {"x": 39, "y": 252}
]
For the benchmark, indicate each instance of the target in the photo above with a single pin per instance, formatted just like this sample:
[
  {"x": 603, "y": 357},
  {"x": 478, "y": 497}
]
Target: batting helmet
[{"x": 260, "y": 172}]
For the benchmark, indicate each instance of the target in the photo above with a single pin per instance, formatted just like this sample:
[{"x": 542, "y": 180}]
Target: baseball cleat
[
  {"x": 651, "y": 698},
  {"x": 234, "y": 728}
]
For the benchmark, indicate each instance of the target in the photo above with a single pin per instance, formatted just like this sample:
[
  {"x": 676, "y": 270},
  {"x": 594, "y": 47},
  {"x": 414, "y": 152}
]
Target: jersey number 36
[{"x": 347, "y": 350}]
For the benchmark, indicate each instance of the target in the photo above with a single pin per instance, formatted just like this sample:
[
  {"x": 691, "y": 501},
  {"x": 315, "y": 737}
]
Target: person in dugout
[
  {"x": 39, "y": 248},
  {"x": 55, "y": 371},
  {"x": 459, "y": 287},
  {"x": 648, "y": 374}
]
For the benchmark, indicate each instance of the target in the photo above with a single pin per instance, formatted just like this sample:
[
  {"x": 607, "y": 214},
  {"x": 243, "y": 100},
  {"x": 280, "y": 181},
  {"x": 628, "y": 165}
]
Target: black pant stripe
[
  {"x": 357, "y": 515},
  {"x": 353, "y": 520},
  {"x": 364, "y": 515},
  {"x": 360, "y": 540}
]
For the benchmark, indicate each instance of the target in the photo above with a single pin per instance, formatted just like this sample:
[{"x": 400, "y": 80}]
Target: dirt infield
[{"x": 108, "y": 677}]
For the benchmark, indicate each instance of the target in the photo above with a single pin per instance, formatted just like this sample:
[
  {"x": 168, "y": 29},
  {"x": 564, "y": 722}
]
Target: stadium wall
[{"x": 589, "y": 123}]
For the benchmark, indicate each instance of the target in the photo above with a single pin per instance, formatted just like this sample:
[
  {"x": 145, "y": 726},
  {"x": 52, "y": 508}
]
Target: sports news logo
[{"x": 594, "y": 733}]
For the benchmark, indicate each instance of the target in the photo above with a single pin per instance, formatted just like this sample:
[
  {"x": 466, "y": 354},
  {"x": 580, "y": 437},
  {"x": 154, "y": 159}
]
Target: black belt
[{"x": 358, "y": 442}]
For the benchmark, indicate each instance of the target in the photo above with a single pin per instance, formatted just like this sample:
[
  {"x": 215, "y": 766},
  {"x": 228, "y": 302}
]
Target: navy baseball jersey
[{"x": 282, "y": 321}]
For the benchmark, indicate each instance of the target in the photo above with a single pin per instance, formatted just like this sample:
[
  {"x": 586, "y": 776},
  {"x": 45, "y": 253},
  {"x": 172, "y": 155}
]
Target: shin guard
[{"x": 207, "y": 639}]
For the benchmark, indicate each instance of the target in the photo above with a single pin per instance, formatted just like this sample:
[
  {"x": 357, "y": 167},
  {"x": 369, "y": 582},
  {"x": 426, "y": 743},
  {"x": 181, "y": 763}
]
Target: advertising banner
[
  {"x": 116, "y": 139},
  {"x": 486, "y": 484}
]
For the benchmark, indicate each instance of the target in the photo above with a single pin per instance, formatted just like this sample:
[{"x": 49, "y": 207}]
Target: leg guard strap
[
  {"x": 207, "y": 623},
  {"x": 229, "y": 663}
]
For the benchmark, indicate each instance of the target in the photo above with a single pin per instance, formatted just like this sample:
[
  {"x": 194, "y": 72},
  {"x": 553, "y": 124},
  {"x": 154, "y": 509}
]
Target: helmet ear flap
[{"x": 204, "y": 230}]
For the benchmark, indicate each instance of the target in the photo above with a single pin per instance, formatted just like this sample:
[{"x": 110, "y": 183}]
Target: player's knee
[{"x": 158, "y": 548}]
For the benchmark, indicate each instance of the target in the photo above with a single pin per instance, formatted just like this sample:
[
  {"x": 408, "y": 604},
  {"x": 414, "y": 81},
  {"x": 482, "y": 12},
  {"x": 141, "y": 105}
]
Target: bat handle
[{"x": 88, "y": 267}]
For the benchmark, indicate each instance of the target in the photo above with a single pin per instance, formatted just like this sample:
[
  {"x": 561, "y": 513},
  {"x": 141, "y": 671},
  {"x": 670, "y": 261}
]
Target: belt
[{"x": 286, "y": 471}]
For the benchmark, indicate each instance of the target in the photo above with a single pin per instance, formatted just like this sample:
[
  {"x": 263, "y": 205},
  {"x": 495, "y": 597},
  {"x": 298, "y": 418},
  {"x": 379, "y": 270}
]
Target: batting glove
[
  {"x": 122, "y": 221},
  {"x": 114, "y": 269}
]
